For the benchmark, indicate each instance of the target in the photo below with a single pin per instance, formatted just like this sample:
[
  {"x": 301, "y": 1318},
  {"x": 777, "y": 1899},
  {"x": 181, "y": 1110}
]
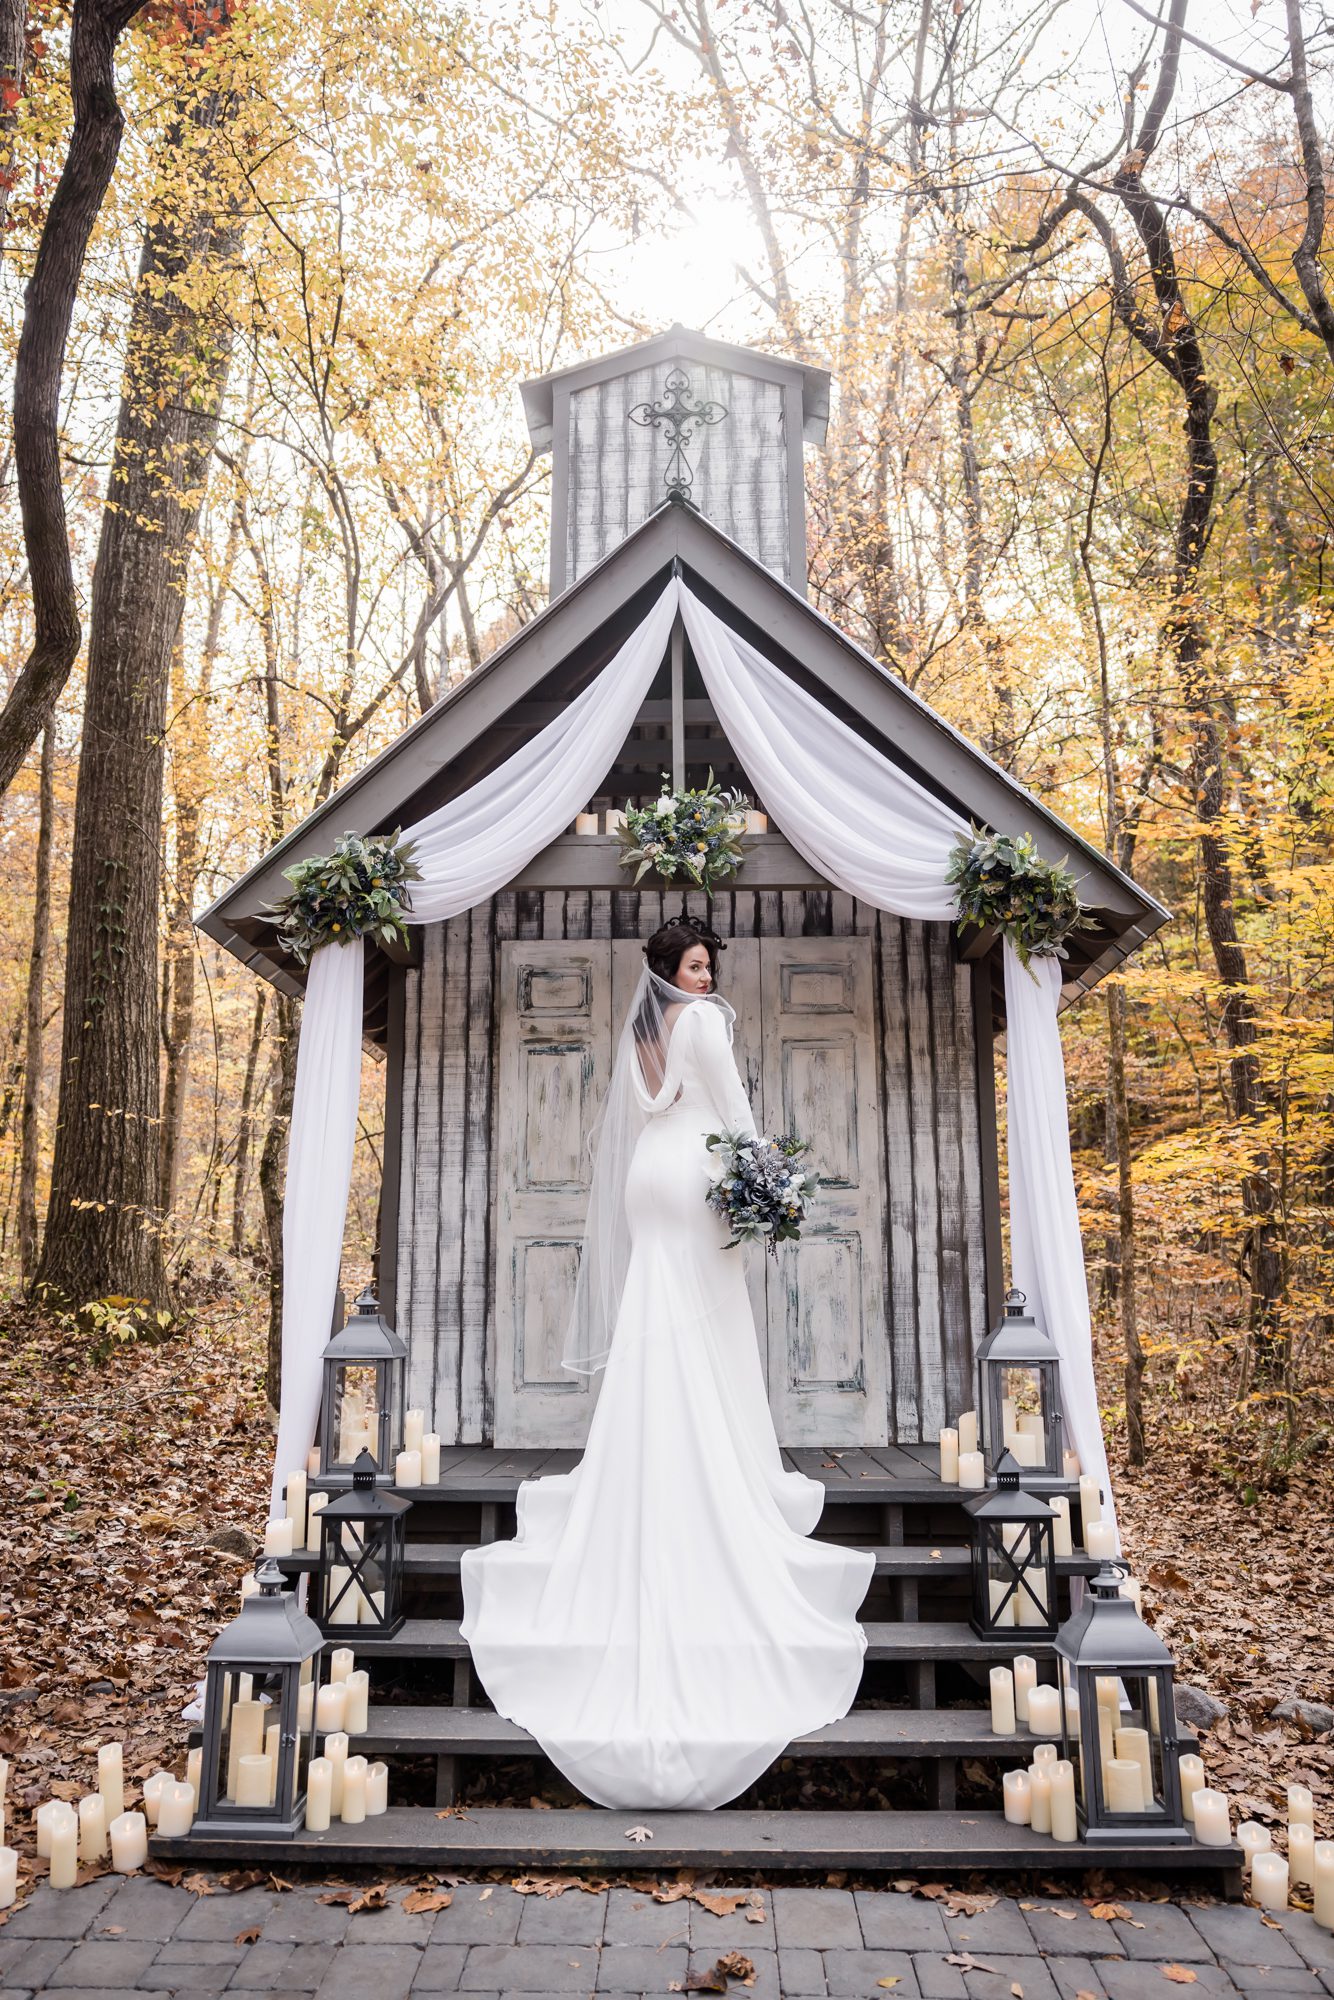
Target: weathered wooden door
[
  {"x": 555, "y": 1060},
  {"x": 827, "y": 1337}
]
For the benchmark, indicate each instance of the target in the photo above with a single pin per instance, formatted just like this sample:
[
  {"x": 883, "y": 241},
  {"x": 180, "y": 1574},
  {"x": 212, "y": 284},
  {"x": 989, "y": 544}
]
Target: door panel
[
  {"x": 826, "y": 1294},
  {"x": 555, "y": 1047}
]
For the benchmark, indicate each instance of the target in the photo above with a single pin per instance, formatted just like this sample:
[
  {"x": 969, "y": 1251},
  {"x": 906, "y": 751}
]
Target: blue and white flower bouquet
[{"x": 758, "y": 1188}]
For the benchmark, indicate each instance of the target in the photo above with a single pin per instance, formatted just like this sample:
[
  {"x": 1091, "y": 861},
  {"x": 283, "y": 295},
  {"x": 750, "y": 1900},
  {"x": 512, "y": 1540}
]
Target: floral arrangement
[
  {"x": 1003, "y": 881},
  {"x": 693, "y": 834},
  {"x": 759, "y": 1190},
  {"x": 360, "y": 890}
]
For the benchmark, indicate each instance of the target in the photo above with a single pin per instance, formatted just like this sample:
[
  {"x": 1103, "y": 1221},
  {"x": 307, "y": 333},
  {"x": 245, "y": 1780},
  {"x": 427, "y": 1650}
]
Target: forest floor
[{"x": 116, "y": 1471}]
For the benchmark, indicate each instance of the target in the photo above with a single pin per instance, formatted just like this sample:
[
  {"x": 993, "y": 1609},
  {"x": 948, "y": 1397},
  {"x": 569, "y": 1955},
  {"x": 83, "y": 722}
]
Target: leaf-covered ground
[{"x": 117, "y": 1469}]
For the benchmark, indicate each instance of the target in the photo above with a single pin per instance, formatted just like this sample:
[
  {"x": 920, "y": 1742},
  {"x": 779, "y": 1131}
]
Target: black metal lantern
[
  {"x": 365, "y": 1371},
  {"x": 1122, "y": 1740},
  {"x": 1019, "y": 1393},
  {"x": 1014, "y": 1560},
  {"x": 362, "y": 1539},
  {"x": 259, "y": 1715}
]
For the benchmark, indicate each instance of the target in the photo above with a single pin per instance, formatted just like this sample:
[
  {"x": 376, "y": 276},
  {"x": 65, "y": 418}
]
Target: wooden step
[
  {"x": 410, "y": 1731},
  {"x": 438, "y": 1639},
  {"x": 592, "y": 1837},
  {"x": 441, "y": 1559}
]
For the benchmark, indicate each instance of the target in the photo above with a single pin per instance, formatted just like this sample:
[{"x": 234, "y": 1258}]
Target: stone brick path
[{"x": 139, "y": 1936}]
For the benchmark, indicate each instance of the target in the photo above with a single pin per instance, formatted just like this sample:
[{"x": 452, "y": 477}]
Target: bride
[{"x": 661, "y": 1623}]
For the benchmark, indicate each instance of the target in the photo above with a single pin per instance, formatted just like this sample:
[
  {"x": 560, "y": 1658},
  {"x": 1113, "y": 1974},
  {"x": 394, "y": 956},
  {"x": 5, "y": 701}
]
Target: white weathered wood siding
[
  {"x": 440, "y": 1270},
  {"x": 617, "y": 468}
]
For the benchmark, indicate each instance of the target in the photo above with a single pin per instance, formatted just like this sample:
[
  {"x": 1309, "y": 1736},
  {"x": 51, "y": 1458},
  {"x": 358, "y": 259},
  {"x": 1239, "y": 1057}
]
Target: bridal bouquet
[{"x": 760, "y": 1192}]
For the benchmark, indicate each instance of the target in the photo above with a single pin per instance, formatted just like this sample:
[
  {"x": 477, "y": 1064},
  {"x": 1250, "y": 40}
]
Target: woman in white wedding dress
[{"x": 661, "y": 1623}]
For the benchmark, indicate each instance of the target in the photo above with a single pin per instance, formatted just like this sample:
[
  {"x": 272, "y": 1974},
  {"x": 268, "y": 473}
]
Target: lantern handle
[{"x": 1015, "y": 1301}]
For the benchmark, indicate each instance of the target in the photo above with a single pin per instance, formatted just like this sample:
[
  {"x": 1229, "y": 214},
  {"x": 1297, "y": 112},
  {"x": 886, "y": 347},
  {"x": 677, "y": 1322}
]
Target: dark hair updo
[{"x": 668, "y": 946}]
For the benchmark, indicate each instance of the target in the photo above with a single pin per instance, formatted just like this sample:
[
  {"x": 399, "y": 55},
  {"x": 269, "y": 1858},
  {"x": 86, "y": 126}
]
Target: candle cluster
[
  {"x": 1017, "y": 1697},
  {"x": 99, "y": 1828},
  {"x": 1308, "y": 1864},
  {"x": 418, "y": 1464},
  {"x": 1043, "y": 1796},
  {"x": 961, "y": 1460},
  {"x": 339, "y": 1786}
]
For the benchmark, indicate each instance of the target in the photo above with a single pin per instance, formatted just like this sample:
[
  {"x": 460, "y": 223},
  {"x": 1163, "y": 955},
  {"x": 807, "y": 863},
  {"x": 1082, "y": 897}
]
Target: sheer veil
[{"x": 645, "y": 1078}]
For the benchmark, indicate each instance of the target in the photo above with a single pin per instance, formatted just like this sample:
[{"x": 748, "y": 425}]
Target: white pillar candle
[
  {"x": 1064, "y": 1824},
  {"x": 315, "y": 1506},
  {"x": 967, "y": 1432},
  {"x": 1009, "y": 1427},
  {"x": 92, "y": 1828},
  {"x": 1090, "y": 1503},
  {"x": 252, "y": 1779},
  {"x": 756, "y": 822},
  {"x": 1191, "y": 1769},
  {"x": 280, "y": 1537},
  {"x": 586, "y": 823},
  {"x": 111, "y": 1778},
  {"x": 1024, "y": 1449},
  {"x": 152, "y": 1792},
  {"x": 341, "y": 1662},
  {"x": 1133, "y": 1744},
  {"x": 414, "y": 1429},
  {"x": 1100, "y": 1540},
  {"x": 271, "y": 1735},
  {"x": 1322, "y": 1867},
  {"x": 1213, "y": 1820},
  {"x": 45, "y": 1815},
  {"x": 972, "y": 1471},
  {"x": 1301, "y": 1806},
  {"x": 344, "y": 1599},
  {"x": 613, "y": 819},
  {"x": 313, "y": 1462},
  {"x": 335, "y": 1751},
  {"x": 295, "y": 1502},
  {"x": 431, "y": 1459},
  {"x": 1301, "y": 1855},
  {"x": 9, "y": 1876},
  {"x": 1072, "y": 1711},
  {"x": 194, "y": 1767},
  {"x": 245, "y": 1739},
  {"x": 1123, "y": 1785},
  {"x": 177, "y": 1811},
  {"x": 1044, "y": 1754},
  {"x": 1030, "y": 1603},
  {"x": 1002, "y": 1702},
  {"x": 1269, "y": 1881},
  {"x": 408, "y": 1469},
  {"x": 1017, "y": 1794},
  {"x": 377, "y": 1790},
  {"x": 1025, "y": 1680},
  {"x": 949, "y": 1458},
  {"x": 129, "y": 1842},
  {"x": 1002, "y": 1606},
  {"x": 354, "y": 1791},
  {"x": 1070, "y": 1464},
  {"x": 1252, "y": 1839},
  {"x": 357, "y": 1708},
  {"x": 1039, "y": 1798},
  {"x": 1044, "y": 1711},
  {"x": 319, "y": 1795},
  {"x": 64, "y": 1847},
  {"x": 331, "y": 1707},
  {"x": 1062, "y": 1541},
  {"x": 305, "y": 1707},
  {"x": 372, "y": 1608}
]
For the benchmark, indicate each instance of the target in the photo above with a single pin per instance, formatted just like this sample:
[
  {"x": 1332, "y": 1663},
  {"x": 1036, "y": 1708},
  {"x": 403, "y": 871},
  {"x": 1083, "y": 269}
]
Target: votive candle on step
[
  {"x": 194, "y": 1765},
  {"x": 949, "y": 1458},
  {"x": 1002, "y": 1702},
  {"x": 1017, "y": 1794},
  {"x": 111, "y": 1778},
  {"x": 1301, "y": 1855},
  {"x": 1269, "y": 1881},
  {"x": 1090, "y": 1503},
  {"x": 408, "y": 1469},
  {"x": 315, "y": 1506},
  {"x": 1062, "y": 1541},
  {"x": 357, "y": 1708},
  {"x": 967, "y": 1432},
  {"x": 1025, "y": 1680},
  {"x": 1070, "y": 1464},
  {"x": 586, "y": 823},
  {"x": 341, "y": 1662},
  {"x": 64, "y": 1834},
  {"x": 177, "y": 1812},
  {"x": 331, "y": 1708},
  {"x": 1064, "y": 1822},
  {"x": 1322, "y": 1867},
  {"x": 1301, "y": 1806},
  {"x": 335, "y": 1749},
  {"x": 1044, "y": 1754},
  {"x": 319, "y": 1795},
  {"x": 972, "y": 1471},
  {"x": 1252, "y": 1839},
  {"x": 414, "y": 1429},
  {"x": 1039, "y": 1798},
  {"x": 153, "y": 1791},
  {"x": 1213, "y": 1819},
  {"x": 92, "y": 1828},
  {"x": 1072, "y": 1711},
  {"x": 1044, "y": 1711},
  {"x": 129, "y": 1842},
  {"x": 280, "y": 1537},
  {"x": 431, "y": 1459},
  {"x": 377, "y": 1790},
  {"x": 295, "y": 1494},
  {"x": 9, "y": 1877},
  {"x": 1191, "y": 1768},
  {"x": 313, "y": 1462},
  {"x": 45, "y": 1815},
  {"x": 353, "y": 1810},
  {"x": 1100, "y": 1540}
]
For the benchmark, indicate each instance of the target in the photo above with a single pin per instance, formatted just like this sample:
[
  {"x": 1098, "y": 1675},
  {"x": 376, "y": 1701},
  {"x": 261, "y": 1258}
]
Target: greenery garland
[
  {"x": 360, "y": 890},
  {"x": 692, "y": 833},
  {"x": 1004, "y": 882}
]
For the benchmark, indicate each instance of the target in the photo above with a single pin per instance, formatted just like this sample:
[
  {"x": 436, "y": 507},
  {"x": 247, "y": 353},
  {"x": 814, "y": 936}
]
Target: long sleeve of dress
[{"x": 718, "y": 1071}]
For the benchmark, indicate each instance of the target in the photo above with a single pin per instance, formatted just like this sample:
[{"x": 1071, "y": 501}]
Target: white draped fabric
[{"x": 864, "y": 823}]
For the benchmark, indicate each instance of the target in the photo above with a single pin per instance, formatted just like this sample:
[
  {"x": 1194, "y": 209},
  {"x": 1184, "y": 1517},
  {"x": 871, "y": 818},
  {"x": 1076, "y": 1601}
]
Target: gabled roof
[
  {"x": 475, "y": 726},
  {"x": 679, "y": 343}
]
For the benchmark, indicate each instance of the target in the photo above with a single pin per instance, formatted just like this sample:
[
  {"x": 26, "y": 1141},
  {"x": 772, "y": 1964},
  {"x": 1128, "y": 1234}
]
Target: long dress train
[{"x": 661, "y": 1623}]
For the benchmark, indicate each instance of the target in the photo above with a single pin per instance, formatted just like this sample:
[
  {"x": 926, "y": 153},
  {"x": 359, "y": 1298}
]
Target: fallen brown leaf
[
  {"x": 353, "y": 1900},
  {"x": 248, "y": 1936},
  {"x": 423, "y": 1902},
  {"x": 724, "y": 1903},
  {"x": 966, "y": 1962},
  {"x": 452, "y": 1812},
  {"x": 1180, "y": 1975}
]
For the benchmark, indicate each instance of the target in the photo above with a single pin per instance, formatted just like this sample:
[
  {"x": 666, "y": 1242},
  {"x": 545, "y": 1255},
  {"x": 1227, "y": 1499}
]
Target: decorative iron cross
[{"x": 684, "y": 418}]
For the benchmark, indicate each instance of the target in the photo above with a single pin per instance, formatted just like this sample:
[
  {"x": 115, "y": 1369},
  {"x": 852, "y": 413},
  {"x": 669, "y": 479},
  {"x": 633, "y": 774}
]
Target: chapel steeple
[{"x": 681, "y": 415}]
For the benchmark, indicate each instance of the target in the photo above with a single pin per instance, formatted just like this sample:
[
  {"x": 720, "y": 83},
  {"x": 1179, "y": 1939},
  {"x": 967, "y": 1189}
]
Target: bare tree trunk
[
  {"x": 13, "y": 62},
  {"x": 272, "y": 1161},
  {"x": 103, "y": 1227},
  {"x": 246, "y": 1123},
  {"x": 32, "y": 1046},
  {"x": 48, "y": 307},
  {"x": 178, "y": 982},
  {"x": 1306, "y": 257},
  {"x": 1125, "y": 1187}
]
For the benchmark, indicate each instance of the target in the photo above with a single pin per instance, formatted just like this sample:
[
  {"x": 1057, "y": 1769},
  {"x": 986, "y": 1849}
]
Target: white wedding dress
[{"x": 661, "y": 1623}]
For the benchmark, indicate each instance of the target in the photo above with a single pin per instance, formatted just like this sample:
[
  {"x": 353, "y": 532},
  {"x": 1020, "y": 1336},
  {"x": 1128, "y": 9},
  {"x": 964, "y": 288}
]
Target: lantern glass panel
[
  {"x": 1124, "y": 1770},
  {"x": 362, "y": 1545},
  {"x": 265, "y": 1713},
  {"x": 357, "y": 1404},
  {"x": 1018, "y": 1575}
]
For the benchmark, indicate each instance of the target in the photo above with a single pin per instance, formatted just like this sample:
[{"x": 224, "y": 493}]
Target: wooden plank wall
[{"x": 440, "y": 1272}]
